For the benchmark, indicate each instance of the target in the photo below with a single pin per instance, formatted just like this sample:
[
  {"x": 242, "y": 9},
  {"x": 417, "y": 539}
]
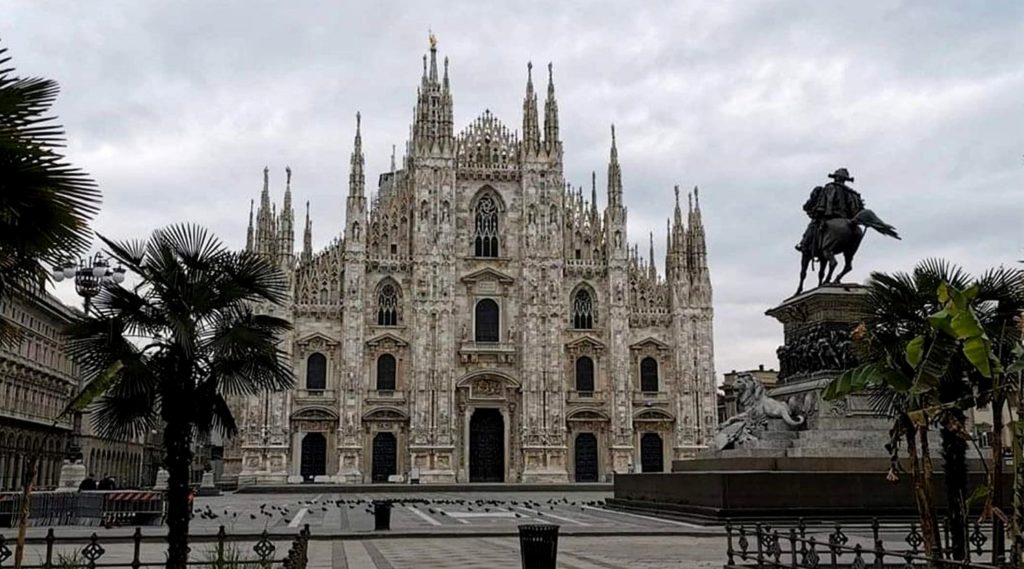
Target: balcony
[
  {"x": 385, "y": 396},
  {"x": 650, "y": 399},
  {"x": 487, "y": 352},
  {"x": 314, "y": 395},
  {"x": 595, "y": 398}
]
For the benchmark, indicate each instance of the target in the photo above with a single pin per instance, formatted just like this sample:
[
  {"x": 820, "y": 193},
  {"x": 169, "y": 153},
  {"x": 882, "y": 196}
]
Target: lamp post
[{"x": 90, "y": 275}]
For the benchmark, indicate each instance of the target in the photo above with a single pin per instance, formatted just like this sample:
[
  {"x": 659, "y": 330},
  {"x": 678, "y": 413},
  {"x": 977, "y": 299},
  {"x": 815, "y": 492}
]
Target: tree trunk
[
  {"x": 932, "y": 527},
  {"x": 1018, "y": 478},
  {"x": 924, "y": 510},
  {"x": 178, "y": 448},
  {"x": 26, "y": 502},
  {"x": 954, "y": 465},
  {"x": 996, "y": 472}
]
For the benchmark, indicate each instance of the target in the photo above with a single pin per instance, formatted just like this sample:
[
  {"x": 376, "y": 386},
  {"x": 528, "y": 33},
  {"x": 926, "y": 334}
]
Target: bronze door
[
  {"x": 314, "y": 456},
  {"x": 651, "y": 457},
  {"x": 385, "y": 457},
  {"x": 586, "y": 457},
  {"x": 487, "y": 446}
]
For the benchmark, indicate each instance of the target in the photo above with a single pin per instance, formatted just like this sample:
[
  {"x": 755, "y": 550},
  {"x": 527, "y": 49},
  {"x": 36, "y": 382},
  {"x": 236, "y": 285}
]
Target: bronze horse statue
[{"x": 839, "y": 236}]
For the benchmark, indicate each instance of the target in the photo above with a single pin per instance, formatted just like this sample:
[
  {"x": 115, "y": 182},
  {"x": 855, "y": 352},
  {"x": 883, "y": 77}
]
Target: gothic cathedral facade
[{"x": 479, "y": 320}]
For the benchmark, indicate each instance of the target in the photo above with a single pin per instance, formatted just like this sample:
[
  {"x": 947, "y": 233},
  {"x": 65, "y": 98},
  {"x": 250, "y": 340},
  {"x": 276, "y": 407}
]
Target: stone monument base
[
  {"x": 812, "y": 489},
  {"x": 71, "y": 476},
  {"x": 208, "y": 487}
]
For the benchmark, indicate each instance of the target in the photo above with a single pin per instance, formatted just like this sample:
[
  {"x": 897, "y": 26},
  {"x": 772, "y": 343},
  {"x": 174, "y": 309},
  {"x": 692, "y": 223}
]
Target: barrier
[
  {"x": 91, "y": 508},
  {"x": 134, "y": 507}
]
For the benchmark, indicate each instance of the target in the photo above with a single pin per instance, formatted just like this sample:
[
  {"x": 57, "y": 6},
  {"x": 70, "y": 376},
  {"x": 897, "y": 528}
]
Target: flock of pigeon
[{"x": 432, "y": 505}]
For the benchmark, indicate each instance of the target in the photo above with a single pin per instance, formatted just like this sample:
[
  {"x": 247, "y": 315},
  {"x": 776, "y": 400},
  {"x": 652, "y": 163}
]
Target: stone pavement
[
  {"x": 634, "y": 552},
  {"x": 461, "y": 530}
]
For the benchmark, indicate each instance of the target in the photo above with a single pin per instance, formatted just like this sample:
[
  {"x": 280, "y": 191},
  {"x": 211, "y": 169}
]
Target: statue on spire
[{"x": 433, "y": 39}]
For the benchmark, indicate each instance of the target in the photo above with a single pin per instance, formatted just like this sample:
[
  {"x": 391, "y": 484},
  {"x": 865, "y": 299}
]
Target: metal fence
[
  {"x": 113, "y": 507},
  {"x": 91, "y": 553},
  {"x": 856, "y": 546}
]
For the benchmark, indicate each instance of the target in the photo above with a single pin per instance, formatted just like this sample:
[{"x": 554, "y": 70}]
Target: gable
[
  {"x": 386, "y": 338},
  {"x": 488, "y": 274},
  {"x": 650, "y": 341}
]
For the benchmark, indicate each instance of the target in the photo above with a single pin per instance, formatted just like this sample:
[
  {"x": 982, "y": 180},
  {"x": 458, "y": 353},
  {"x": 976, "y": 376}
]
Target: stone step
[
  {"x": 778, "y": 435},
  {"x": 830, "y": 423},
  {"x": 753, "y": 453},
  {"x": 842, "y": 433},
  {"x": 768, "y": 444},
  {"x": 836, "y": 452},
  {"x": 840, "y": 446}
]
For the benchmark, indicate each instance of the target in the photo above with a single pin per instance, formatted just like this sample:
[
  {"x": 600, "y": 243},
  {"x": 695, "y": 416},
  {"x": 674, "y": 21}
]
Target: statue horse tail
[{"x": 867, "y": 218}]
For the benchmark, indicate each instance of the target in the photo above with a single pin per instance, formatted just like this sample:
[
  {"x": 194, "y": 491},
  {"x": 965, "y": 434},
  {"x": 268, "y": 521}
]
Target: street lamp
[{"x": 91, "y": 274}]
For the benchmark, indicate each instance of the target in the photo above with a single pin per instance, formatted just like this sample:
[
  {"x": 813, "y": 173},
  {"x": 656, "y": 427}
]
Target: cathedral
[{"x": 479, "y": 320}]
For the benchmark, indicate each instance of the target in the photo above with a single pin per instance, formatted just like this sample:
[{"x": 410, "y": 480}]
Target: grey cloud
[{"x": 176, "y": 107}]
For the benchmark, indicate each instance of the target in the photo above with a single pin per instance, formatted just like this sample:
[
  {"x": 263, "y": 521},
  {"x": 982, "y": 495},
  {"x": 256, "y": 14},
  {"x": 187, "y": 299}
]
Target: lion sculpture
[{"x": 756, "y": 408}]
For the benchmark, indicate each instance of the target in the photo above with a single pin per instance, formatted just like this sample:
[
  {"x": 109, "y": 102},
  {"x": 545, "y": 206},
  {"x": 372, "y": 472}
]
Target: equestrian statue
[{"x": 838, "y": 218}]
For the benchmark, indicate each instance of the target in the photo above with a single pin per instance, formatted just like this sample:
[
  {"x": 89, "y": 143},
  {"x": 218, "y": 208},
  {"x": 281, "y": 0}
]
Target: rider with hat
[{"x": 834, "y": 200}]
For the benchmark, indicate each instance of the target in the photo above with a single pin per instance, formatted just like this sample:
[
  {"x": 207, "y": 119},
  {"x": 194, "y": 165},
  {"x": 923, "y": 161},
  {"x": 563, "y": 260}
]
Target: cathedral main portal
[
  {"x": 487, "y": 446},
  {"x": 314, "y": 456},
  {"x": 385, "y": 457}
]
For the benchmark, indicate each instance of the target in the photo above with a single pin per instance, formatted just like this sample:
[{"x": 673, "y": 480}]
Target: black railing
[
  {"x": 857, "y": 546},
  {"x": 223, "y": 553}
]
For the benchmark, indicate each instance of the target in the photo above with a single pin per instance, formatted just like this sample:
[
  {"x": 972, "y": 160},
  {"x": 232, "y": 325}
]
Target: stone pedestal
[
  {"x": 161, "y": 479},
  {"x": 208, "y": 487},
  {"x": 817, "y": 346},
  {"x": 71, "y": 476}
]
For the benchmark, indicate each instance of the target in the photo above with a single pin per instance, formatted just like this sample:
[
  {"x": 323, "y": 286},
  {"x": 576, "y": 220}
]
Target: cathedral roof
[{"x": 487, "y": 143}]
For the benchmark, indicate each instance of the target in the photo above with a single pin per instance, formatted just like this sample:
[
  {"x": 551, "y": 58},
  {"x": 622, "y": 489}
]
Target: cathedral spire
[
  {"x": 551, "y": 111},
  {"x": 433, "y": 57},
  {"x": 593, "y": 194},
  {"x": 531, "y": 128},
  {"x": 264, "y": 241},
  {"x": 696, "y": 243},
  {"x": 249, "y": 232},
  {"x": 307, "y": 238},
  {"x": 678, "y": 211},
  {"x": 651, "y": 267},
  {"x": 614, "y": 175},
  {"x": 286, "y": 229},
  {"x": 288, "y": 188},
  {"x": 356, "y": 177},
  {"x": 265, "y": 196},
  {"x": 432, "y": 118}
]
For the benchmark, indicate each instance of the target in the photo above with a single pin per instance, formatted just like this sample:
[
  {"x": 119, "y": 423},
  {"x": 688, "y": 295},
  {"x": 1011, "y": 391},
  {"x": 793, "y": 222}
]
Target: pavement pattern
[{"x": 466, "y": 530}]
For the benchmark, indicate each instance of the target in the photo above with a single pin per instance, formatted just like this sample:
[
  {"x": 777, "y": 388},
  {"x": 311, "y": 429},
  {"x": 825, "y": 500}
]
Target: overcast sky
[{"x": 175, "y": 107}]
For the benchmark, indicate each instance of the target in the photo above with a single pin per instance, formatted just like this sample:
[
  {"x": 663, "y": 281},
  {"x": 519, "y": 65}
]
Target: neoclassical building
[
  {"x": 478, "y": 319},
  {"x": 37, "y": 381}
]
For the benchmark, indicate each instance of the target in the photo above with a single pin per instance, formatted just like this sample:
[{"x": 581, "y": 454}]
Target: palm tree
[
  {"x": 171, "y": 349},
  {"x": 900, "y": 335},
  {"x": 45, "y": 203}
]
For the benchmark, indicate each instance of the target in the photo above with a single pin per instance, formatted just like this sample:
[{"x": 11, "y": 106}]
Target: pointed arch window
[
  {"x": 485, "y": 237},
  {"x": 649, "y": 375},
  {"x": 487, "y": 321},
  {"x": 387, "y": 305},
  {"x": 386, "y": 368},
  {"x": 584, "y": 374},
  {"x": 316, "y": 372},
  {"x": 582, "y": 310}
]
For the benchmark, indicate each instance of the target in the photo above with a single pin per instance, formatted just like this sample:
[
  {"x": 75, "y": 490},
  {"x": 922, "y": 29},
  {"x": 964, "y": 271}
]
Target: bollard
[
  {"x": 381, "y": 515},
  {"x": 538, "y": 546}
]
